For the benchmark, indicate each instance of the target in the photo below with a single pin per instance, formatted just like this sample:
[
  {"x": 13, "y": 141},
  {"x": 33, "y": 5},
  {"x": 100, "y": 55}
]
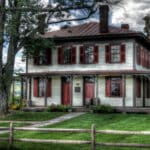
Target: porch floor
[{"x": 85, "y": 109}]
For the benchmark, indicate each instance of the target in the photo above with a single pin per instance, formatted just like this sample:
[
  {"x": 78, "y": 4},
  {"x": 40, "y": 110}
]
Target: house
[{"x": 92, "y": 60}]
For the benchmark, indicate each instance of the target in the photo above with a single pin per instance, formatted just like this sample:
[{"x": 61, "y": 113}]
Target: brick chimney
[
  {"x": 125, "y": 26},
  {"x": 104, "y": 18}
]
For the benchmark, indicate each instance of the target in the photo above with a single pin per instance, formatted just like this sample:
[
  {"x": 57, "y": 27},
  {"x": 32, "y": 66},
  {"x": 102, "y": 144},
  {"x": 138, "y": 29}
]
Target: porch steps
[
  {"x": 33, "y": 109},
  {"x": 145, "y": 110},
  {"x": 80, "y": 109}
]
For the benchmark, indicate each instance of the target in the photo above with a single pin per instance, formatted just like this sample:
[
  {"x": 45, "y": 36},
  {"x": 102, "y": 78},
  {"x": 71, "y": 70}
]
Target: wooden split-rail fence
[{"x": 92, "y": 142}]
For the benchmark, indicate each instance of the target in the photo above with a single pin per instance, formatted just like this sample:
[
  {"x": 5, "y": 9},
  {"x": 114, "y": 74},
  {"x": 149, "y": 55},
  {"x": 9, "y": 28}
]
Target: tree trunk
[{"x": 3, "y": 97}]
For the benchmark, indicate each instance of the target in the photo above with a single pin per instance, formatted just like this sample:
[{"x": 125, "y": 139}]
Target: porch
[{"x": 145, "y": 110}]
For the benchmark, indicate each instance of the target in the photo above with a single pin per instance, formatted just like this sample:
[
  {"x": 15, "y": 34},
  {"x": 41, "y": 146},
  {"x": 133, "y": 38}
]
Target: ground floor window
[
  {"x": 42, "y": 85},
  {"x": 114, "y": 86}
]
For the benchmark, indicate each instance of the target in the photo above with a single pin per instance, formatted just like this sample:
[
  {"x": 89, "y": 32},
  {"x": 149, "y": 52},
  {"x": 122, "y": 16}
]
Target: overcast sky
[{"x": 131, "y": 12}]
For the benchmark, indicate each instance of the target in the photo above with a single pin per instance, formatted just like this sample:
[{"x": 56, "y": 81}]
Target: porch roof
[{"x": 88, "y": 72}]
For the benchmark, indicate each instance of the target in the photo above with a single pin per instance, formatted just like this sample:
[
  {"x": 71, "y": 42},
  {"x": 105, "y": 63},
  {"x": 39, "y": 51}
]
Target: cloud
[{"x": 132, "y": 12}]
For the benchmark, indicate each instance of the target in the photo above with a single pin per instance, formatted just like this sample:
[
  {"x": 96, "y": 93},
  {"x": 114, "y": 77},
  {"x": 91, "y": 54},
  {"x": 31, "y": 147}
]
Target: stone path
[
  {"x": 53, "y": 121},
  {"x": 57, "y": 120}
]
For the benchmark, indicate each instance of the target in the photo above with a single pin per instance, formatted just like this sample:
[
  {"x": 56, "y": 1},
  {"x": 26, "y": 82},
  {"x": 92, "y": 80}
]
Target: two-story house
[{"x": 92, "y": 60}]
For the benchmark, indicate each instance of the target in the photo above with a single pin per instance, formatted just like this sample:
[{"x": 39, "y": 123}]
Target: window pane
[
  {"x": 115, "y": 53},
  {"x": 67, "y": 55},
  {"x": 41, "y": 87},
  {"x": 89, "y": 54},
  {"x": 115, "y": 87}
]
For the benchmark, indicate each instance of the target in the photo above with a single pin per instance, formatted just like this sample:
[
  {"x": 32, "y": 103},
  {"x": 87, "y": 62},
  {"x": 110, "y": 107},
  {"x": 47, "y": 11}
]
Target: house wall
[
  {"x": 56, "y": 94},
  {"x": 100, "y": 66},
  {"x": 77, "y": 97},
  {"x": 116, "y": 101}
]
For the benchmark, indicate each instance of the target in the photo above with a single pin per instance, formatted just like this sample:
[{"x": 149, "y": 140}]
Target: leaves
[{"x": 34, "y": 46}]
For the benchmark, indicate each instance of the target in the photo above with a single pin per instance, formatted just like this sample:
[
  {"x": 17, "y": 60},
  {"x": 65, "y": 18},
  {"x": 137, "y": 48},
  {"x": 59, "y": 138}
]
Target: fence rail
[{"x": 92, "y": 142}]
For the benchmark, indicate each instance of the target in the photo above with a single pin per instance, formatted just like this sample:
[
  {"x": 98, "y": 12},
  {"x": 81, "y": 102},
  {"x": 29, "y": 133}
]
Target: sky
[{"x": 131, "y": 12}]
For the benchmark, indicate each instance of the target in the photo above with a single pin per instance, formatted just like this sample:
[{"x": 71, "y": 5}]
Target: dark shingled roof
[{"x": 87, "y": 29}]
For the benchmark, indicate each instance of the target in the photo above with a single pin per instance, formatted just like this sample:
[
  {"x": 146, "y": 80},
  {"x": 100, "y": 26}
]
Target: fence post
[
  {"x": 11, "y": 134},
  {"x": 93, "y": 145}
]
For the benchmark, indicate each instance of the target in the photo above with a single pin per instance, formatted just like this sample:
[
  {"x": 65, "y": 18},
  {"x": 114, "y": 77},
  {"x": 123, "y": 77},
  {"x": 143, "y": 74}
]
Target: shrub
[
  {"x": 103, "y": 109},
  {"x": 15, "y": 106},
  {"x": 57, "y": 108}
]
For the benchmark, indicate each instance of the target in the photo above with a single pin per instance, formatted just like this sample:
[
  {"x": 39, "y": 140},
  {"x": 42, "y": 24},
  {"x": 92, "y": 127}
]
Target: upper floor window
[
  {"x": 67, "y": 55},
  {"x": 88, "y": 54},
  {"x": 42, "y": 87},
  {"x": 115, "y": 53},
  {"x": 114, "y": 87},
  {"x": 43, "y": 57}
]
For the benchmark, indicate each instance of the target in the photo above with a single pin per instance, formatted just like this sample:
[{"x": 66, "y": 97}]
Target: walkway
[
  {"x": 57, "y": 120},
  {"x": 53, "y": 121}
]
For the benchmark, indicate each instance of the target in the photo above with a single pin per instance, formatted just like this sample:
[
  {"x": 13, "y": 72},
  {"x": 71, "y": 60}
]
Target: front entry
[
  {"x": 89, "y": 90},
  {"x": 66, "y": 91}
]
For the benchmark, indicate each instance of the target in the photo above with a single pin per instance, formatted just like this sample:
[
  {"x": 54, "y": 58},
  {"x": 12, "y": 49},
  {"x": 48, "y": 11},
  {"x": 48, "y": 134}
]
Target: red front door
[
  {"x": 66, "y": 92},
  {"x": 89, "y": 92}
]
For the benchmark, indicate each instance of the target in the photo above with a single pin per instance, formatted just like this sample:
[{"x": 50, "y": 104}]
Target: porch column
[
  {"x": 124, "y": 89},
  {"x": 21, "y": 94},
  {"x": 144, "y": 91},
  {"x": 96, "y": 89},
  {"x": 45, "y": 96},
  {"x": 30, "y": 92},
  {"x": 134, "y": 91},
  {"x": 71, "y": 90}
]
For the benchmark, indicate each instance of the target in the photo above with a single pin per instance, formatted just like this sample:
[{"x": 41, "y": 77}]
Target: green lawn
[
  {"x": 15, "y": 124},
  {"x": 32, "y": 116},
  {"x": 134, "y": 122}
]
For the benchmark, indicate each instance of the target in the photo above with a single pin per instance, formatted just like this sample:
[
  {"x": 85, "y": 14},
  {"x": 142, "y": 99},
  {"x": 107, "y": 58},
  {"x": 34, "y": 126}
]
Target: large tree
[{"x": 21, "y": 20}]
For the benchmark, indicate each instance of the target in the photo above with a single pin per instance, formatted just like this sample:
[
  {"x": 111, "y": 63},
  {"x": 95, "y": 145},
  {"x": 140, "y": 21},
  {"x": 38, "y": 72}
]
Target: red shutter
[
  {"x": 96, "y": 54},
  {"x": 48, "y": 88},
  {"x": 60, "y": 55},
  {"x": 82, "y": 55},
  {"x": 108, "y": 87},
  {"x": 142, "y": 57},
  {"x": 36, "y": 59},
  {"x": 48, "y": 56},
  {"x": 108, "y": 53},
  {"x": 73, "y": 55},
  {"x": 138, "y": 55},
  {"x": 122, "y": 53},
  {"x": 36, "y": 87}
]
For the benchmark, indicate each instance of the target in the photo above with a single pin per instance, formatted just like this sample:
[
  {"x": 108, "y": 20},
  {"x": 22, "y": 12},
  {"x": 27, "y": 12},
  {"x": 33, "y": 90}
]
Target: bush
[
  {"x": 57, "y": 108},
  {"x": 14, "y": 106},
  {"x": 103, "y": 109}
]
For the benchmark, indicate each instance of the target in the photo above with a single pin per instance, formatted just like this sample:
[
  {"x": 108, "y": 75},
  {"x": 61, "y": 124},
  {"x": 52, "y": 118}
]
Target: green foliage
[
  {"x": 16, "y": 105},
  {"x": 34, "y": 46},
  {"x": 58, "y": 108},
  {"x": 103, "y": 109}
]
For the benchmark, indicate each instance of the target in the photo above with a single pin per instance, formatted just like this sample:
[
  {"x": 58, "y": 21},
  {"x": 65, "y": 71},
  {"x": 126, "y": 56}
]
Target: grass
[
  {"x": 135, "y": 122},
  {"x": 32, "y": 116},
  {"x": 15, "y": 124}
]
